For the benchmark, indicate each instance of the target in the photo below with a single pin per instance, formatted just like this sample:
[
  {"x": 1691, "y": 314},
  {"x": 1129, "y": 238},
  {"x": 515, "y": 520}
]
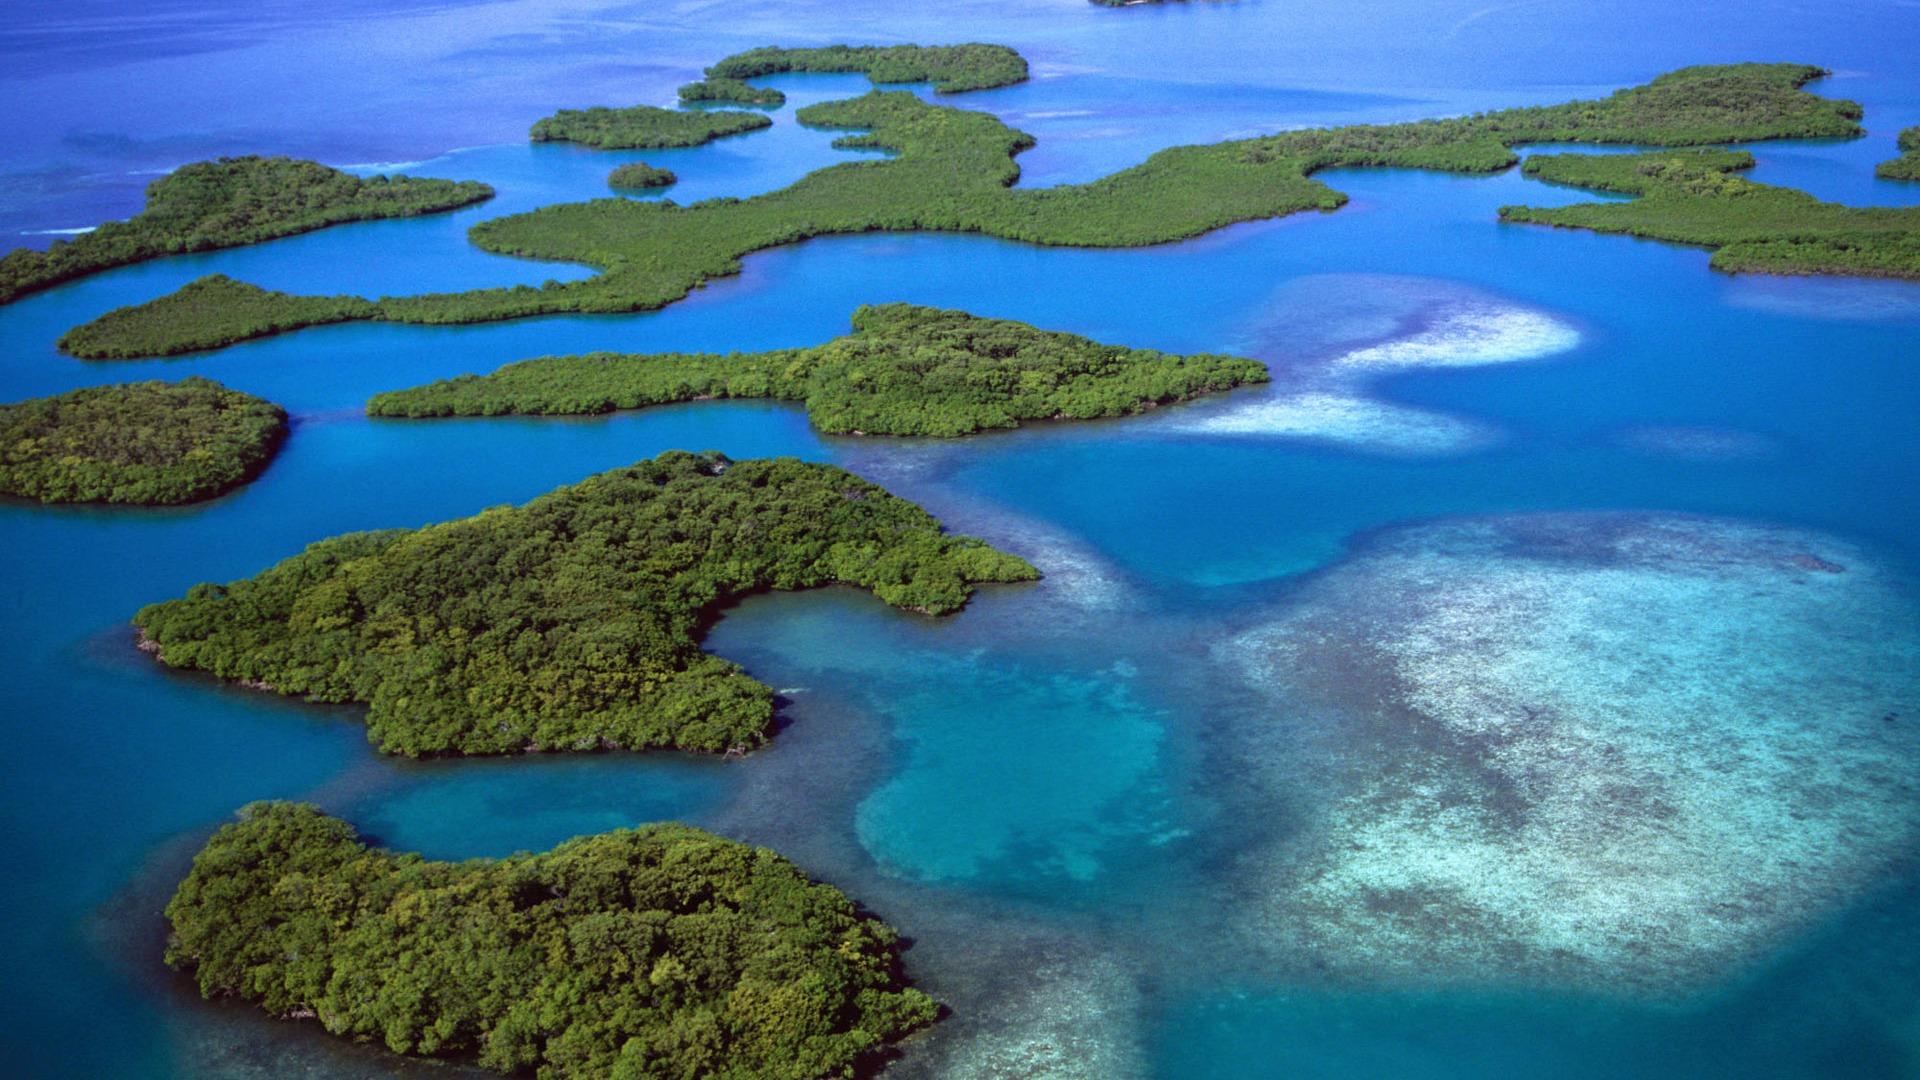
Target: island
[
  {"x": 644, "y": 127},
  {"x": 1907, "y": 165},
  {"x": 952, "y": 69},
  {"x": 638, "y": 175},
  {"x": 572, "y": 622},
  {"x": 1695, "y": 198},
  {"x": 147, "y": 443},
  {"x": 904, "y": 370},
  {"x": 227, "y": 203},
  {"x": 730, "y": 90},
  {"x": 952, "y": 171},
  {"x": 659, "y": 951}
]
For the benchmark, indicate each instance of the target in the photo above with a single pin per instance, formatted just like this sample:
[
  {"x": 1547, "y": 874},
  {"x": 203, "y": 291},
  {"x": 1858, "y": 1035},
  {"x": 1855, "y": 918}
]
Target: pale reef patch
[
  {"x": 1629, "y": 751},
  {"x": 1696, "y": 443},
  {"x": 1060, "y": 1020},
  {"x": 1328, "y": 336}
]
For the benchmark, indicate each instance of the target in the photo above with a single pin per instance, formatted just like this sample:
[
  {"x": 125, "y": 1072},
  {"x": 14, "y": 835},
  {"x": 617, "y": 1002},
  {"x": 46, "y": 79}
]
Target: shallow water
[{"x": 1118, "y": 830}]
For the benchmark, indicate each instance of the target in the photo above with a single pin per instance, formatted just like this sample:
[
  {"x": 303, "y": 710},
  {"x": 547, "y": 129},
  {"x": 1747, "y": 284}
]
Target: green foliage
[
  {"x": 205, "y": 313},
  {"x": 643, "y": 127},
  {"x": 952, "y": 171},
  {"x": 638, "y": 174},
  {"x": 1695, "y": 198},
  {"x": 904, "y": 371},
  {"x": 227, "y": 203},
  {"x": 655, "y": 952},
  {"x": 1907, "y": 165},
  {"x": 952, "y": 69},
  {"x": 573, "y": 622},
  {"x": 151, "y": 443},
  {"x": 731, "y": 90}
]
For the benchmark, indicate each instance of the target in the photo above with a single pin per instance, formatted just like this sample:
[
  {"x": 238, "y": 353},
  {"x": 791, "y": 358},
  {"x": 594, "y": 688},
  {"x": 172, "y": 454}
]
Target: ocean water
[{"x": 1523, "y": 684}]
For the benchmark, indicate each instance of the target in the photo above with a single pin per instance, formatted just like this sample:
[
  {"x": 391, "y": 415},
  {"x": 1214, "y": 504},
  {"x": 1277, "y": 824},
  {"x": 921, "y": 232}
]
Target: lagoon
[{"x": 1074, "y": 795}]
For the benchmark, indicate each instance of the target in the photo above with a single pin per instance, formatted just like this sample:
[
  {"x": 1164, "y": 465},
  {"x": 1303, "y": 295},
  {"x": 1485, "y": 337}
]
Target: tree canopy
[
  {"x": 904, "y": 370},
  {"x": 656, "y": 952},
  {"x": 148, "y": 443},
  {"x": 572, "y": 622},
  {"x": 226, "y": 203}
]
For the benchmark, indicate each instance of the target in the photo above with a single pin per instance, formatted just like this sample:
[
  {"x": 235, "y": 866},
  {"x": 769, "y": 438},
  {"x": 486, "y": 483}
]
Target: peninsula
[
  {"x": 1694, "y": 197},
  {"x": 227, "y": 203},
  {"x": 903, "y": 371},
  {"x": 148, "y": 443},
  {"x": 644, "y": 127},
  {"x": 1907, "y": 165},
  {"x": 573, "y": 622},
  {"x": 953, "y": 170},
  {"x": 661, "y": 951}
]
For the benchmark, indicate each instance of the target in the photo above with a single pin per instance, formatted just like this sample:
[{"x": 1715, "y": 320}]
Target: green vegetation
[
  {"x": 635, "y": 175},
  {"x": 1907, "y": 165},
  {"x": 1694, "y": 198},
  {"x": 731, "y": 90},
  {"x": 205, "y": 313},
  {"x": 904, "y": 371},
  {"x": 227, "y": 203},
  {"x": 662, "y": 951},
  {"x": 952, "y": 172},
  {"x": 952, "y": 69},
  {"x": 150, "y": 443},
  {"x": 570, "y": 623},
  {"x": 643, "y": 127}
]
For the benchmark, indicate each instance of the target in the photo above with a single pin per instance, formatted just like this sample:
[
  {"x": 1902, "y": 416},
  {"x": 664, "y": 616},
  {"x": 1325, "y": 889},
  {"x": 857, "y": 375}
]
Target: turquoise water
[{"x": 1107, "y": 806}]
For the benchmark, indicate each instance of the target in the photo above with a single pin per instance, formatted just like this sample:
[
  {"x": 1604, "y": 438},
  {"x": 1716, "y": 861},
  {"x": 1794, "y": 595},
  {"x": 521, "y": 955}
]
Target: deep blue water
[{"x": 1064, "y": 770}]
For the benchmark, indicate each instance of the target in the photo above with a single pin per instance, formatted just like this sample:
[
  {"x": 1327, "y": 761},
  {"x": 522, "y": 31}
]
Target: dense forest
[
  {"x": 952, "y": 170},
  {"x": 635, "y": 175},
  {"x": 227, "y": 203},
  {"x": 732, "y": 90},
  {"x": 656, "y": 952},
  {"x": 1695, "y": 198},
  {"x": 903, "y": 371},
  {"x": 1907, "y": 165},
  {"x": 952, "y": 69},
  {"x": 148, "y": 443},
  {"x": 643, "y": 127},
  {"x": 573, "y": 622}
]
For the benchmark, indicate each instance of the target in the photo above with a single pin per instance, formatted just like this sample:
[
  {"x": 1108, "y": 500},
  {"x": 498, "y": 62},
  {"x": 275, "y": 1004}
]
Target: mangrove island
[
  {"x": 904, "y": 370},
  {"x": 1907, "y": 165},
  {"x": 572, "y": 622},
  {"x": 644, "y": 127},
  {"x": 228, "y": 203},
  {"x": 730, "y": 90},
  {"x": 952, "y": 69},
  {"x": 147, "y": 443},
  {"x": 661, "y": 951},
  {"x": 638, "y": 175},
  {"x": 953, "y": 170},
  {"x": 1694, "y": 198}
]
